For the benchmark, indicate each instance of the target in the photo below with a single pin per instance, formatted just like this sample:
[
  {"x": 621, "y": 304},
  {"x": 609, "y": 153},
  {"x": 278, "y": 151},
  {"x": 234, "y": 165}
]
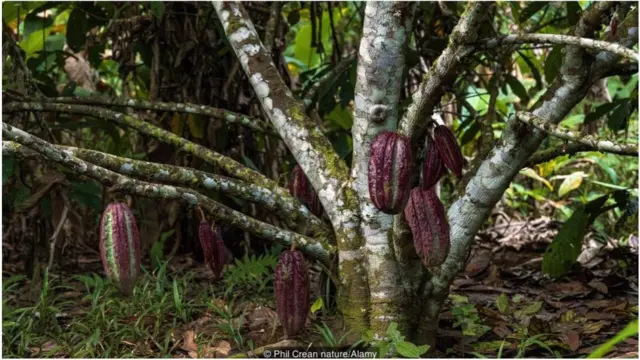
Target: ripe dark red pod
[
  {"x": 448, "y": 149},
  {"x": 389, "y": 171},
  {"x": 433, "y": 167},
  {"x": 292, "y": 292},
  {"x": 300, "y": 187},
  {"x": 428, "y": 222},
  {"x": 212, "y": 246},
  {"x": 120, "y": 246}
]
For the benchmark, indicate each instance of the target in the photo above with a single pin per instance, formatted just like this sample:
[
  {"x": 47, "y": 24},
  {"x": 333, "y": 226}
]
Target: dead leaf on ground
[
  {"x": 572, "y": 338},
  {"x": 564, "y": 289},
  {"x": 598, "y": 285}
]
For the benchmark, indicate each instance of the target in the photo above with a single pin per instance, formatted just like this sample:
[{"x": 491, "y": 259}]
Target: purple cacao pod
[
  {"x": 428, "y": 222},
  {"x": 389, "y": 173},
  {"x": 120, "y": 246},
  {"x": 292, "y": 292},
  {"x": 433, "y": 168},
  {"x": 300, "y": 187},
  {"x": 448, "y": 149},
  {"x": 213, "y": 247}
]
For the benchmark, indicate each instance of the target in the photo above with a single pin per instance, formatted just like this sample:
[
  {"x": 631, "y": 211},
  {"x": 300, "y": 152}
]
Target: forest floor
[{"x": 501, "y": 306}]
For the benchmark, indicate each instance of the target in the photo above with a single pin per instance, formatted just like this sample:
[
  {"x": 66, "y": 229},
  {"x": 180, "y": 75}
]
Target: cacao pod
[
  {"x": 120, "y": 246},
  {"x": 448, "y": 149},
  {"x": 428, "y": 222},
  {"x": 433, "y": 168},
  {"x": 292, "y": 292},
  {"x": 389, "y": 173},
  {"x": 213, "y": 247},
  {"x": 301, "y": 188}
]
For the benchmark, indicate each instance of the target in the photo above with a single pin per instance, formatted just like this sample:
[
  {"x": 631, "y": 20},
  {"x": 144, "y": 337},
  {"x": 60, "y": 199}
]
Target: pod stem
[{"x": 202, "y": 217}]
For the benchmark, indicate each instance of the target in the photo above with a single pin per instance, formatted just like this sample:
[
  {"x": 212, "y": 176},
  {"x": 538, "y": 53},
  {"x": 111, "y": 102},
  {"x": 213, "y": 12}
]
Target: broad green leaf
[
  {"x": 529, "y": 172},
  {"x": 196, "y": 125},
  {"x": 533, "y": 308},
  {"x": 8, "y": 166},
  {"x": 531, "y": 9},
  {"x": 599, "y": 112},
  {"x": 571, "y": 182},
  {"x": 10, "y": 9},
  {"x": 629, "y": 331},
  {"x": 342, "y": 116},
  {"x": 531, "y": 63},
  {"x": 502, "y": 302},
  {"x": 157, "y": 8},
  {"x": 34, "y": 42},
  {"x": 410, "y": 350},
  {"x": 77, "y": 28},
  {"x": 553, "y": 63},
  {"x": 565, "y": 248},
  {"x": 573, "y": 12},
  {"x": 618, "y": 119},
  {"x": 517, "y": 88},
  {"x": 317, "y": 305},
  {"x": 177, "y": 124}
]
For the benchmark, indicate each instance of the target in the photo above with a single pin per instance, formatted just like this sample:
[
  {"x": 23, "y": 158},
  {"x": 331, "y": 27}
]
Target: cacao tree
[{"x": 376, "y": 222}]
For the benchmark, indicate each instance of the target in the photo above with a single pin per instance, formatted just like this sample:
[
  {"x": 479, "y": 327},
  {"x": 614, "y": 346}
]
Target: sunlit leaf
[
  {"x": 410, "y": 350},
  {"x": 571, "y": 182},
  {"x": 317, "y": 305},
  {"x": 196, "y": 125},
  {"x": 517, "y": 88},
  {"x": 529, "y": 172},
  {"x": 532, "y": 8},
  {"x": 502, "y": 302}
]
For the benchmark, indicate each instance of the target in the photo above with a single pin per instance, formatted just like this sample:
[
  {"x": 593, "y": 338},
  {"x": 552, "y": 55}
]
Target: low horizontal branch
[
  {"x": 589, "y": 140},
  {"x": 222, "y": 114},
  {"x": 219, "y": 212},
  {"x": 562, "y": 40},
  {"x": 230, "y": 166},
  {"x": 290, "y": 209}
]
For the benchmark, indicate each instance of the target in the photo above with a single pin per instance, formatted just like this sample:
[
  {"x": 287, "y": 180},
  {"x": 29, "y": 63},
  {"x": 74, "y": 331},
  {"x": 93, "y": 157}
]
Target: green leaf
[
  {"x": 317, "y": 305},
  {"x": 8, "y": 166},
  {"x": 529, "y": 172},
  {"x": 34, "y": 42},
  {"x": 573, "y": 12},
  {"x": 196, "y": 125},
  {"x": 77, "y": 27},
  {"x": 629, "y": 331},
  {"x": 342, "y": 116},
  {"x": 531, "y": 9},
  {"x": 565, "y": 248},
  {"x": 87, "y": 193},
  {"x": 618, "y": 119},
  {"x": 533, "y": 68},
  {"x": 599, "y": 112},
  {"x": 517, "y": 88},
  {"x": 553, "y": 63},
  {"x": 157, "y": 8},
  {"x": 10, "y": 9},
  {"x": 571, "y": 182},
  {"x": 410, "y": 350},
  {"x": 533, "y": 308},
  {"x": 502, "y": 303}
]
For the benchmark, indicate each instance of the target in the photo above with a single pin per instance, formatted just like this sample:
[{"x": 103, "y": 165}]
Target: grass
[{"x": 100, "y": 322}]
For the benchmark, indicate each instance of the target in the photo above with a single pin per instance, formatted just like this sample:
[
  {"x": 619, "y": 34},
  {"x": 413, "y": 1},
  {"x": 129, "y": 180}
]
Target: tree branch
[
  {"x": 272, "y": 26},
  {"x": 588, "y": 140},
  {"x": 444, "y": 71},
  {"x": 222, "y": 114},
  {"x": 550, "y": 154},
  {"x": 560, "y": 39},
  {"x": 118, "y": 182},
  {"x": 289, "y": 209},
  {"x": 312, "y": 150},
  {"x": 331, "y": 76},
  {"x": 229, "y": 165}
]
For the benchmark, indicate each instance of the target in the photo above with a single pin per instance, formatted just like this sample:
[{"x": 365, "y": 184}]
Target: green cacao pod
[
  {"x": 433, "y": 167},
  {"x": 292, "y": 292},
  {"x": 428, "y": 222},
  {"x": 213, "y": 247},
  {"x": 389, "y": 172},
  {"x": 120, "y": 246},
  {"x": 301, "y": 188},
  {"x": 448, "y": 149}
]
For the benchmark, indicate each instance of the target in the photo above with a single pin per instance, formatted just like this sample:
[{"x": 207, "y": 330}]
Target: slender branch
[
  {"x": 222, "y": 114},
  {"x": 118, "y": 182},
  {"x": 272, "y": 26},
  {"x": 290, "y": 209},
  {"x": 626, "y": 69},
  {"x": 229, "y": 165},
  {"x": 550, "y": 154},
  {"x": 589, "y": 140},
  {"x": 560, "y": 39},
  {"x": 444, "y": 71}
]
